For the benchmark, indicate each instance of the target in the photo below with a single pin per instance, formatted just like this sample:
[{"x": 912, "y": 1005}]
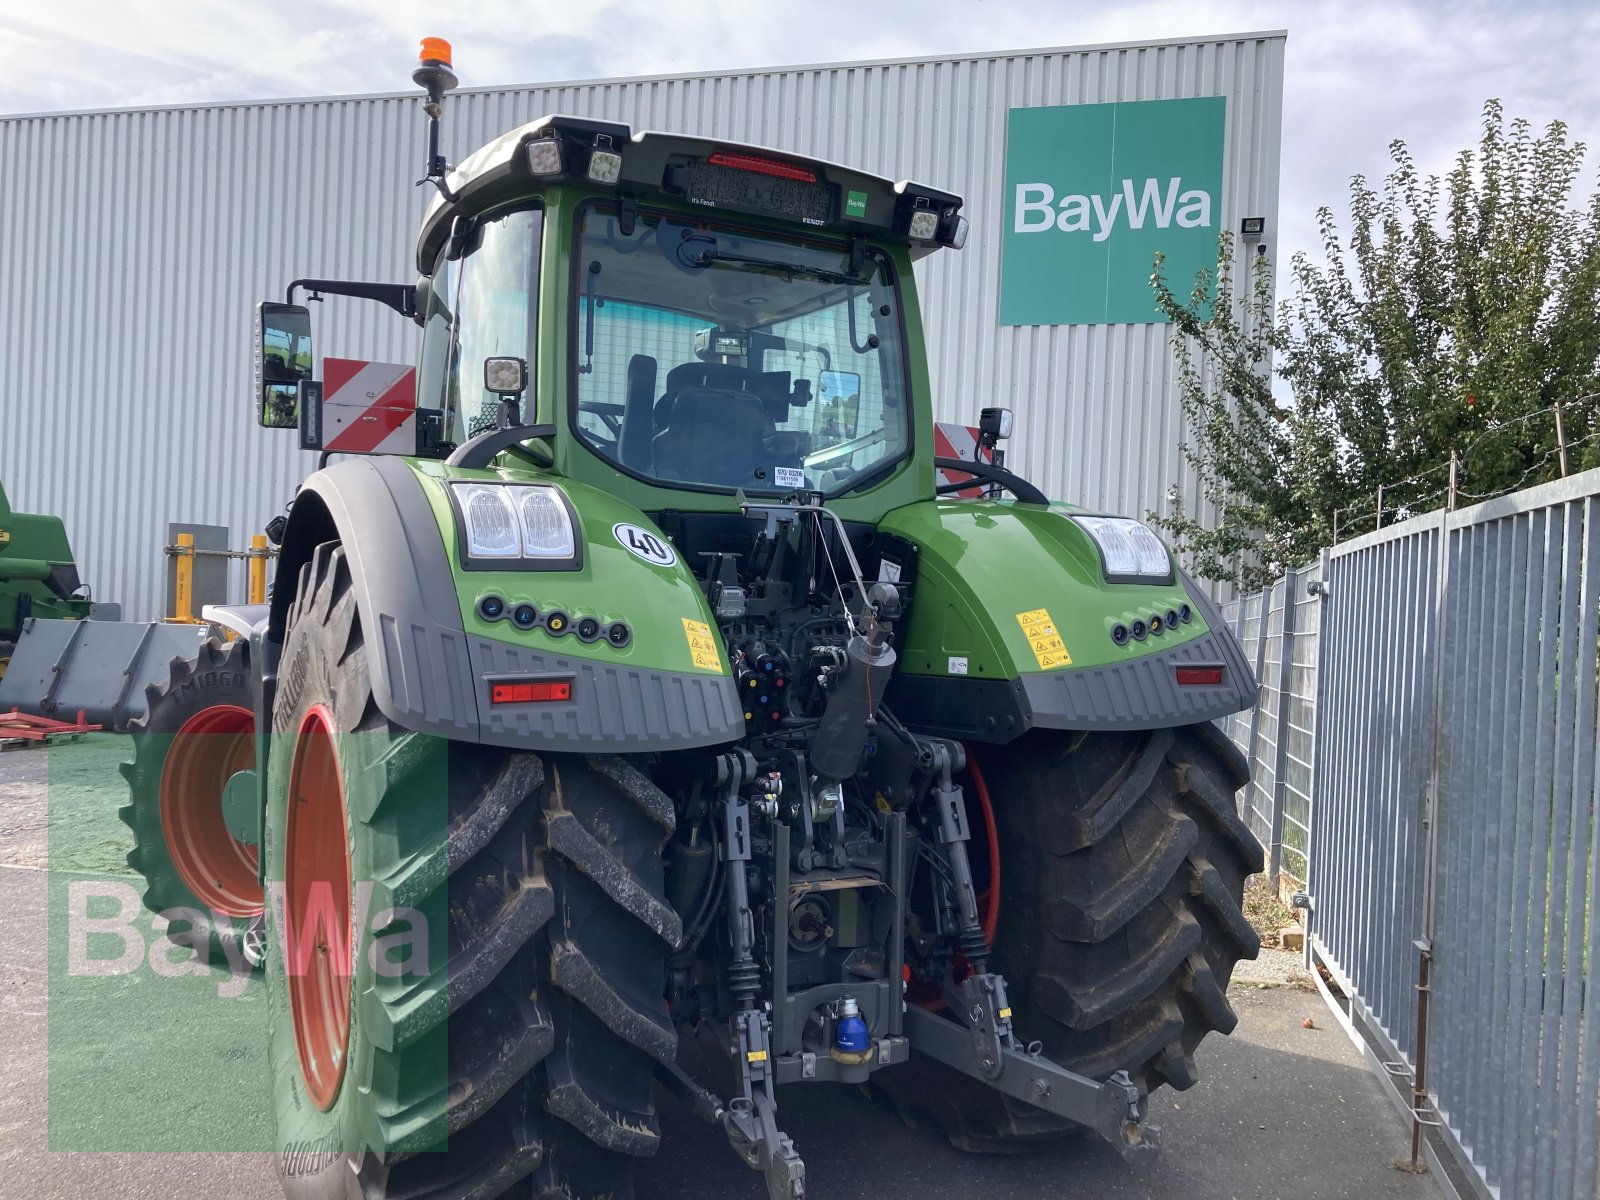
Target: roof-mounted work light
[
  {"x": 605, "y": 163},
  {"x": 573, "y": 146},
  {"x": 925, "y": 214}
]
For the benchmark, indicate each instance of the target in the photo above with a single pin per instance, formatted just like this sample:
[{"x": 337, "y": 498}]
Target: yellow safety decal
[
  {"x": 702, "y": 645},
  {"x": 757, "y": 1056},
  {"x": 1041, "y": 633},
  {"x": 1005, "y": 1014}
]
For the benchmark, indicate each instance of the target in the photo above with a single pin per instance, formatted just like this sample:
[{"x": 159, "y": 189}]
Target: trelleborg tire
[
  {"x": 1123, "y": 861},
  {"x": 523, "y": 1041},
  {"x": 199, "y": 728}
]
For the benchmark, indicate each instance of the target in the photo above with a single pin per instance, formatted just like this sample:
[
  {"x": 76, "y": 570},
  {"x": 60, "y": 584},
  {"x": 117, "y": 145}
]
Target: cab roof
[{"x": 706, "y": 172}]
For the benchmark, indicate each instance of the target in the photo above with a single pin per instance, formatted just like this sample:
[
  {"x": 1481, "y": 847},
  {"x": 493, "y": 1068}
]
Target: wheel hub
[{"x": 208, "y": 749}]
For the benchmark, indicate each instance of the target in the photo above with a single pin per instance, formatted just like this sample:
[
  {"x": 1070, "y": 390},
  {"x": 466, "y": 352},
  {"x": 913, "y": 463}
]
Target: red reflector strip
[
  {"x": 528, "y": 693},
  {"x": 1199, "y": 676},
  {"x": 763, "y": 166}
]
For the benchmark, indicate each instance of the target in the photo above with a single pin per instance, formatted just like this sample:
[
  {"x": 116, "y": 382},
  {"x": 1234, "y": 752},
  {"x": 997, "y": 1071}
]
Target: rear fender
[
  {"x": 431, "y": 674},
  {"x": 1011, "y": 628}
]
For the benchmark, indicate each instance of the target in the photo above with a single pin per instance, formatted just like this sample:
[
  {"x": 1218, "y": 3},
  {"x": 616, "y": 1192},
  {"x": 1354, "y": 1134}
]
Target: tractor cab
[{"x": 666, "y": 313}]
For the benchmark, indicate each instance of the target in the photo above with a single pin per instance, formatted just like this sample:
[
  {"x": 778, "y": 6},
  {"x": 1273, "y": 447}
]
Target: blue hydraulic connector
[{"x": 851, "y": 1034}]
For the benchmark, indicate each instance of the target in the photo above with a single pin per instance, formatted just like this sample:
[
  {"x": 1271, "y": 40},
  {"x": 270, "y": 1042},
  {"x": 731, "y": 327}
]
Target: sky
[{"x": 1358, "y": 74}]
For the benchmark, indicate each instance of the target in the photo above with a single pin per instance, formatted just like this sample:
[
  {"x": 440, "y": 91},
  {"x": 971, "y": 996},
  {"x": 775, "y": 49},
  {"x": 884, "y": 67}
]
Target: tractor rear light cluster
[
  {"x": 1207, "y": 675},
  {"x": 531, "y": 692}
]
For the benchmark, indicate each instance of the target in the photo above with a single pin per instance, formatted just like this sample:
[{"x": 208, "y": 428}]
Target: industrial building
[{"x": 139, "y": 240}]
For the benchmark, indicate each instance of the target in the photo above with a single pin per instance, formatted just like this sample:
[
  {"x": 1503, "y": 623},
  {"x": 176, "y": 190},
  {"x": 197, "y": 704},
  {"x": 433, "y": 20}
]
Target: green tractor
[
  {"x": 38, "y": 577},
  {"x": 664, "y": 719}
]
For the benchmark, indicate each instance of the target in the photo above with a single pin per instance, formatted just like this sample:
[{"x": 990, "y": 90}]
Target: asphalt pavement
[{"x": 1281, "y": 1111}]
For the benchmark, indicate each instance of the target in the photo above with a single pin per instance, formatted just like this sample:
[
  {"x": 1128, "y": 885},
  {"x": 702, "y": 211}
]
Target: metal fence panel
[
  {"x": 1278, "y": 629},
  {"x": 1452, "y": 721},
  {"x": 1371, "y": 764},
  {"x": 1292, "y": 828},
  {"x": 1516, "y": 1078}
]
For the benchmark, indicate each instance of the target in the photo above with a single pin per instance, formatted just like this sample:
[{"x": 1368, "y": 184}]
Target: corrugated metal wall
[{"x": 136, "y": 242}]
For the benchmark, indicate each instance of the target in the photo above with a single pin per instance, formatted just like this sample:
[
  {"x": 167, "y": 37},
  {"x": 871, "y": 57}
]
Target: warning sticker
[
  {"x": 1041, "y": 633},
  {"x": 702, "y": 645}
]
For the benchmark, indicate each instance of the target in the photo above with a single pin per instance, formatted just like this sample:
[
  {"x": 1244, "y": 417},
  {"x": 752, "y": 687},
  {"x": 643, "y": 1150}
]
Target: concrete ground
[{"x": 1280, "y": 1111}]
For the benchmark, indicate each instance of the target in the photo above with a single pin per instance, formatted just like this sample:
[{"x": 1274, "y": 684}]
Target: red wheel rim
[
  {"x": 218, "y": 868},
  {"x": 316, "y": 940}
]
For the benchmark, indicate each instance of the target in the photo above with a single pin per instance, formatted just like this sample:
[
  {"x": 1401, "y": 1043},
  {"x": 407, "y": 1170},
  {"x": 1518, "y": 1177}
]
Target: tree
[{"x": 1462, "y": 312}]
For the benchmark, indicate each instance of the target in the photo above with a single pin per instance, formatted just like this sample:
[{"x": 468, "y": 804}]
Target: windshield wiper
[{"x": 706, "y": 257}]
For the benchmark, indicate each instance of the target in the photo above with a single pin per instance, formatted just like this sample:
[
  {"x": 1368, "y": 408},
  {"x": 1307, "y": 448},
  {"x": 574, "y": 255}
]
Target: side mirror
[
  {"x": 840, "y": 406},
  {"x": 282, "y": 362}
]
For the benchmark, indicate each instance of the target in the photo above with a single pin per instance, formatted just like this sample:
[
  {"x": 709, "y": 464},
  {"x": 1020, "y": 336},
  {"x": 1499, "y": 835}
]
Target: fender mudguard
[
  {"x": 1014, "y": 626},
  {"x": 429, "y": 673}
]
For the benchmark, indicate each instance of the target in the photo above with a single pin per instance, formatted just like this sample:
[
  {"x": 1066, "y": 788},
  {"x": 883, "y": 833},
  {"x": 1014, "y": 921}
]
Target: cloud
[{"x": 1359, "y": 73}]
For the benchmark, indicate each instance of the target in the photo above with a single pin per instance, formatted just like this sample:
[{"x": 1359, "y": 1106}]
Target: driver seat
[{"x": 713, "y": 436}]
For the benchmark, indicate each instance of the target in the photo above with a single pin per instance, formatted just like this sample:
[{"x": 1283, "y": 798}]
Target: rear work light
[
  {"x": 763, "y": 166},
  {"x": 1199, "y": 676},
  {"x": 530, "y": 693}
]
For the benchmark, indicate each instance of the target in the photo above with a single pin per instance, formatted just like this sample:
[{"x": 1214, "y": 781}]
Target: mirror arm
[{"x": 402, "y": 297}]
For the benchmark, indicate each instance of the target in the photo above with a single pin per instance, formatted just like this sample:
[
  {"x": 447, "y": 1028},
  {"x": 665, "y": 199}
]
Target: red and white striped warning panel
[
  {"x": 957, "y": 441},
  {"x": 368, "y": 407}
]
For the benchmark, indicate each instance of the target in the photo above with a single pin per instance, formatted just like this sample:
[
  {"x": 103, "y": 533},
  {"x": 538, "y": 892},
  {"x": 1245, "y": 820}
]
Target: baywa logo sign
[{"x": 1093, "y": 192}]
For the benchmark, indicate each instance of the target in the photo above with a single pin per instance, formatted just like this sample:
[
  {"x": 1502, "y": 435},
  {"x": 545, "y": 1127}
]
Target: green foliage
[{"x": 1459, "y": 314}]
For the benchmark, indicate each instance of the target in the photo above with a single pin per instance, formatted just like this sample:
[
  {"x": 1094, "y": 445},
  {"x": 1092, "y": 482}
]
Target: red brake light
[
  {"x": 1199, "y": 676},
  {"x": 529, "y": 693},
  {"x": 763, "y": 166}
]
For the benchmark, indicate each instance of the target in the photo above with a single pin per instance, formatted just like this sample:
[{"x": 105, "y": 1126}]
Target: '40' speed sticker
[{"x": 642, "y": 543}]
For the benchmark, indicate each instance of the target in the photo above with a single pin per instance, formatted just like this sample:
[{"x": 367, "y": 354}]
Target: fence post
[
  {"x": 1265, "y": 597},
  {"x": 1291, "y": 582}
]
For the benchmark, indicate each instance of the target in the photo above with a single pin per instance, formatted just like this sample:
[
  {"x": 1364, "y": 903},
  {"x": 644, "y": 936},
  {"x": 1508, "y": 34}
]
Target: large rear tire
[
  {"x": 523, "y": 1041},
  {"x": 199, "y": 728},
  {"x": 1123, "y": 861}
]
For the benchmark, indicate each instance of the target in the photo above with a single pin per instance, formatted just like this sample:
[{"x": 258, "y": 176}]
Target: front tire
[{"x": 523, "y": 1040}]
